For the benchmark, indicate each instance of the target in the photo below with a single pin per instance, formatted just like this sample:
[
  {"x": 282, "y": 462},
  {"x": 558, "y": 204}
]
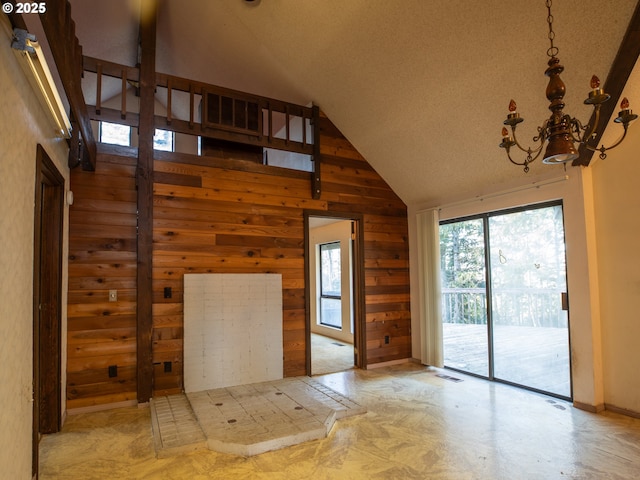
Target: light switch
[{"x": 113, "y": 295}]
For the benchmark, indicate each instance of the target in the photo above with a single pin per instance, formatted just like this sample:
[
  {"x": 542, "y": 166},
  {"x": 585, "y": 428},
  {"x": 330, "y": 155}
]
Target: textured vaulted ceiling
[{"x": 420, "y": 87}]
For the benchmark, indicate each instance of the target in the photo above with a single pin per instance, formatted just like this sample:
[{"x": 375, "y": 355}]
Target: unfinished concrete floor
[{"x": 417, "y": 426}]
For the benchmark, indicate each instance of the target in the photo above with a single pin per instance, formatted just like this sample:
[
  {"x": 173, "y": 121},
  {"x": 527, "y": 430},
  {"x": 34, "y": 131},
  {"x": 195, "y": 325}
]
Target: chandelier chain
[{"x": 552, "y": 51}]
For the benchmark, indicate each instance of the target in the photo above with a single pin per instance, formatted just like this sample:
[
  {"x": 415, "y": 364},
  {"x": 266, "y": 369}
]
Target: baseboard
[
  {"x": 372, "y": 366},
  {"x": 589, "y": 408},
  {"x": 104, "y": 406},
  {"x": 621, "y": 411}
]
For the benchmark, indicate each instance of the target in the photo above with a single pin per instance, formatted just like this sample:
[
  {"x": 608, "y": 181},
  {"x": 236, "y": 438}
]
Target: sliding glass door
[
  {"x": 464, "y": 298},
  {"x": 504, "y": 298}
]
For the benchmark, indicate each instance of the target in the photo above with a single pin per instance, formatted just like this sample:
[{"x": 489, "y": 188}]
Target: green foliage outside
[{"x": 527, "y": 264}]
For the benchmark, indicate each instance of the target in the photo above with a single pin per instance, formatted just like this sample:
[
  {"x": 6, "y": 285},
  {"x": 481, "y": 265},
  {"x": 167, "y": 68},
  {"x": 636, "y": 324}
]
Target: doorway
[
  {"x": 504, "y": 301},
  {"x": 47, "y": 299},
  {"x": 334, "y": 313}
]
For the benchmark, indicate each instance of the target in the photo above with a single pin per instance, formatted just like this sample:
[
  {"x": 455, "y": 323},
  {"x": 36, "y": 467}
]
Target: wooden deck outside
[{"x": 535, "y": 357}]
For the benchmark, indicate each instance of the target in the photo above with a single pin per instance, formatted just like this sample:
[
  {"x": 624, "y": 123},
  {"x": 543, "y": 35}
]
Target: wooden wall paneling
[
  {"x": 209, "y": 217},
  {"x": 250, "y": 221},
  {"x": 350, "y": 184},
  {"x": 102, "y": 246}
]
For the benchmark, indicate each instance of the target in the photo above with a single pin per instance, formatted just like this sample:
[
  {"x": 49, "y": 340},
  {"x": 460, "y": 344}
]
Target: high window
[
  {"x": 163, "y": 140},
  {"x": 115, "y": 134}
]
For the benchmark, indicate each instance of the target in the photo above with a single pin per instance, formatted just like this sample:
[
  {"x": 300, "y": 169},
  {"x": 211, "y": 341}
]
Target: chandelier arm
[
  {"x": 592, "y": 128},
  {"x": 542, "y": 133},
  {"x": 603, "y": 149},
  {"x": 529, "y": 151},
  {"x": 529, "y": 158},
  {"x": 524, "y": 164},
  {"x": 514, "y": 162},
  {"x": 577, "y": 127}
]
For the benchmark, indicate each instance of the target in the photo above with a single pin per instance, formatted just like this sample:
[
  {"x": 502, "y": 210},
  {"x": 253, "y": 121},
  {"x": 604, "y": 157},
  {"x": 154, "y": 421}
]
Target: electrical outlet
[
  {"x": 113, "y": 371},
  {"x": 113, "y": 295},
  {"x": 386, "y": 339}
]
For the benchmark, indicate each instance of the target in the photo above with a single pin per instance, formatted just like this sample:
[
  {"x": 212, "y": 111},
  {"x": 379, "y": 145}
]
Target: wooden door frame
[
  {"x": 359, "y": 319},
  {"x": 47, "y": 299}
]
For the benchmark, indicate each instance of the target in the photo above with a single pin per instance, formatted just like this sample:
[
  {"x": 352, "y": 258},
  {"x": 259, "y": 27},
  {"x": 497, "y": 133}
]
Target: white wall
[
  {"x": 23, "y": 124},
  {"x": 617, "y": 225},
  {"x": 339, "y": 231},
  {"x": 585, "y": 330}
]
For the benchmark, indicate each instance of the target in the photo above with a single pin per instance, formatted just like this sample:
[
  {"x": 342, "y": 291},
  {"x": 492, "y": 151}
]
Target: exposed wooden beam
[
  {"x": 59, "y": 29},
  {"x": 622, "y": 67},
  {"x": 17, "y": 21},
  {"x": 144, "y": 181},
  {"x": 109, "y": 69},
  {"x": 316, "y": 183}
]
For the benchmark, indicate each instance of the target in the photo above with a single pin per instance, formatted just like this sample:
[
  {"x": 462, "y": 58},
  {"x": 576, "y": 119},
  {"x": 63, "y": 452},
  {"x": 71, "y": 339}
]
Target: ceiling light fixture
[{"x": 562, "y": 132}]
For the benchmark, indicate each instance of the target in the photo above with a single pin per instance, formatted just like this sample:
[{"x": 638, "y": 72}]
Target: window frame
[{"x": 335, "y": 245}]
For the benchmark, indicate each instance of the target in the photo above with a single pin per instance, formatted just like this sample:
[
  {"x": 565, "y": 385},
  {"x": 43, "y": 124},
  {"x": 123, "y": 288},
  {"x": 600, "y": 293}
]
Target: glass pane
[
  {"x": 163, "y": 140},
  {"x": 464, "y": 312},
  {"x": 115, "y": 134},
  {"x": 330, "y": 281},
  {"x": 331, "y": 312},
  {"x": 528, "y": 277}
]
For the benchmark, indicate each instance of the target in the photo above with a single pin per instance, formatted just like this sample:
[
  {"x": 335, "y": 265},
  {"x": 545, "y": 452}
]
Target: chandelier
[{"x": 561, "y": 132}]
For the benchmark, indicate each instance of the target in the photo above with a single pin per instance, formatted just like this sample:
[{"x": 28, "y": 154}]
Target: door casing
[
  {"x": 359, "y": 323},
  {"x": 47, "y": 299}
]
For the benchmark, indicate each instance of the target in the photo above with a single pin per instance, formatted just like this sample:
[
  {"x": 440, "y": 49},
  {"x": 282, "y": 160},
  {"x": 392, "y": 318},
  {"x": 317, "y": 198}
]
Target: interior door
[{"x": 47, "y": 297}]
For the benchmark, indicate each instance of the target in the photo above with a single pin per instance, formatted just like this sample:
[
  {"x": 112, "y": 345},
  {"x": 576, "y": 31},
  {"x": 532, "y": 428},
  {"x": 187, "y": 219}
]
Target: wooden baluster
[
  {"x": 286, "y": 124},
  {"x": 316, "y": 183},
  {"x": 270, "y": 120},
  {"x": 260, "y": 120},
  {"x": 169, "y": 115},
  {"x": 123, "y": 111},
  {"x": 233, "y": 112},
  {"x": 99, "y": 88},
  {"x": 304, "y": 130},
  {"x": 191, "y": 100}
]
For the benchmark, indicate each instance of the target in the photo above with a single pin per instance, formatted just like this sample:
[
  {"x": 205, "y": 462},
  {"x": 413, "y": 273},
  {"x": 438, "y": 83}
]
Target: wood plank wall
[
  {"x": 351, "y": 185},
  {"x": 102, "y": 257},
  {"x": 225, "y": 216}
]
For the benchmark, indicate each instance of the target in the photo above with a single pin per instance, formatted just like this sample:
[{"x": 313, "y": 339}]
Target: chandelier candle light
[{"x": 562, "y": 132}]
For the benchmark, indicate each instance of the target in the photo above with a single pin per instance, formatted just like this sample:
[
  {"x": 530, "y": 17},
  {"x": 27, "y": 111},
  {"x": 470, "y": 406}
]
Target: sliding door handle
[{"x": 565, "y": 301}]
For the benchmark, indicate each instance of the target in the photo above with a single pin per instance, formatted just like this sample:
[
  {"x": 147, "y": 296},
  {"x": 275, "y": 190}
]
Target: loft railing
[
  {"x": 213, "y": 111},
  {"x": 196, "y": 108}
]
